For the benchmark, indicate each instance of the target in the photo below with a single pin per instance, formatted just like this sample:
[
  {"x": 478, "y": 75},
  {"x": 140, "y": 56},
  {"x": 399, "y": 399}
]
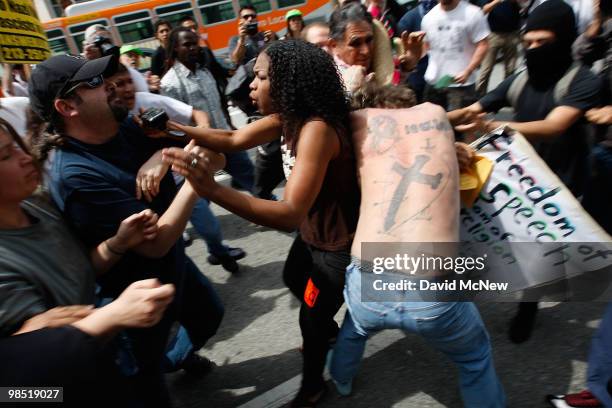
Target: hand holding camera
[
  {"x": 155, "y": 123},
  {"x": 242, "y": 30},
  {"x": 106, "y": 46}
]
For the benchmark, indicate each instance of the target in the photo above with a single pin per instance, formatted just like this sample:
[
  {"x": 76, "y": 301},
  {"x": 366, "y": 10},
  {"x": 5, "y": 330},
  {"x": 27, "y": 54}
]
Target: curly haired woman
[{"x": 299, "y": 89}]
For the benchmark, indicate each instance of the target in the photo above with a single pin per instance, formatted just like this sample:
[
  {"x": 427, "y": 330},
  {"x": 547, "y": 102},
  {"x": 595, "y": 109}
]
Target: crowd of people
[{"x": 103, "y": 167}]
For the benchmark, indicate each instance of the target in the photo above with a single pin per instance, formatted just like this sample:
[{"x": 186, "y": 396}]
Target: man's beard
[{"x": 119, "y": 110}]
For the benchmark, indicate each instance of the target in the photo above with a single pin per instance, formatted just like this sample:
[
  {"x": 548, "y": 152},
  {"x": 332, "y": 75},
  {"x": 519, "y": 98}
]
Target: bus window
[
  {"x": 174, "y": 12},
  {"x": 57, "y": 42},
  {"x": 78, "y": 31},
  {"x": 289, "y": 3},
  {"x": 216, "y": 11},
  {"x": 134, "y": 26},
  {"x": 262, "y": 6}
]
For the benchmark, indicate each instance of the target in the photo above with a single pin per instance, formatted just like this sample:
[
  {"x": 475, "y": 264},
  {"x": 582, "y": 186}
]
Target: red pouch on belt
[{"x": 311, "y": 293}]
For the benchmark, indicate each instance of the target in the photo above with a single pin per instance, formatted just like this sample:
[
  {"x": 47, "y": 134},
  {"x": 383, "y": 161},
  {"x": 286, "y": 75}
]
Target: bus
[{"x": 131, "y": 21}]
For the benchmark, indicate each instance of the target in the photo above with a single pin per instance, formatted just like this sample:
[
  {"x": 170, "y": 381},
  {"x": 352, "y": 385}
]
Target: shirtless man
[{"x": 410, "y": 193}]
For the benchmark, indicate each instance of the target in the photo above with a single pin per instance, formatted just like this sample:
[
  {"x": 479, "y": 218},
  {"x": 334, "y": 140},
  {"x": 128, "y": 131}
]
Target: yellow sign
[
  {"x": 22, "y": 38},
  {"x": 474, "y": 179}
]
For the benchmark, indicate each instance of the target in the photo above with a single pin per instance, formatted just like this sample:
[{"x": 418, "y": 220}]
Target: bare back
[{"x": 408, "y": 173}]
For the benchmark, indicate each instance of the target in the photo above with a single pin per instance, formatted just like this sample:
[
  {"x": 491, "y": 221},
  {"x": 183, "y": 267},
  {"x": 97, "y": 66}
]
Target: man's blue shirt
[{"x": 95, "y": 187}]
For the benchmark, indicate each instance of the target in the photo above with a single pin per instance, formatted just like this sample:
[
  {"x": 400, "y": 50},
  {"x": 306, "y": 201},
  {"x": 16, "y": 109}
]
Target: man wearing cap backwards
[
  {"x": 98, "y": 153},
  {"x": 547, "y": 116}
]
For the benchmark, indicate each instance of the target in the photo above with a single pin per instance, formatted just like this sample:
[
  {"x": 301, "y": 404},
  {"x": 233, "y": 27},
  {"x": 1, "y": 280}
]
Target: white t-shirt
[
  {"x": 140, "y": 82},
  {"x": 177, "y": 111},
  {"x": 14, "y": 111},
  {"x": 452, "y": 37}
]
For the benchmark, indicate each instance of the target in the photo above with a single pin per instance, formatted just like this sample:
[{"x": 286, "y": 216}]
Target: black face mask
[{"x": 547, "y": 63}]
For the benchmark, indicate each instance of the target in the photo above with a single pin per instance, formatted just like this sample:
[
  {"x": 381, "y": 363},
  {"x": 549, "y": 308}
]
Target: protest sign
[
  {"x": 22, "y": 38},
  {"x": 523, "y": 201}
]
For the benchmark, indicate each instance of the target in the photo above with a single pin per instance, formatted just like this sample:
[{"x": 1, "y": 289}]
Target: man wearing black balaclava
[{"x": 548, "y": 115}]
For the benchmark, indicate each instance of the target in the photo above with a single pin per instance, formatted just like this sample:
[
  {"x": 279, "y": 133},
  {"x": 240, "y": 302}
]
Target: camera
[
  {"x": 106, "y": 46},
  {"x": 155, "y": 118},
  {"x": 251, "y": 28}
]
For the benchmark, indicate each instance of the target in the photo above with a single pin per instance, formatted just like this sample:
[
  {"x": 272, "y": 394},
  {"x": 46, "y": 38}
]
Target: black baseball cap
[{"x": 52, "y": 76}]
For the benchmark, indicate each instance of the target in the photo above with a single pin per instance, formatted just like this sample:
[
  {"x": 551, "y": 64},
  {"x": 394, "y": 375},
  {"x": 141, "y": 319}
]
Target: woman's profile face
[
  {"x": 260, "y": 87},
  {"x": 19, "y": 175}
]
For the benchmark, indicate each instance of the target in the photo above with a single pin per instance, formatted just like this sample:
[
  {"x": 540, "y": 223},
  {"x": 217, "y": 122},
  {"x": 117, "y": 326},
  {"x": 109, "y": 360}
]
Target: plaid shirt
[{"x": 197, "y": 89}]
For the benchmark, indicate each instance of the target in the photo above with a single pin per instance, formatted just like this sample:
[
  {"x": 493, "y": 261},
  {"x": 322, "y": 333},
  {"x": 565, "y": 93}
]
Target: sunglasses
[
  {"x": 249, "y": 16},
  {"x": 90, "y": 83}
]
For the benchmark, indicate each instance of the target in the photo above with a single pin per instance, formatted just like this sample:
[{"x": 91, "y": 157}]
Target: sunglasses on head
[
  {"x": 90, "y": 83},
  {"x": 249, "y": 16}
]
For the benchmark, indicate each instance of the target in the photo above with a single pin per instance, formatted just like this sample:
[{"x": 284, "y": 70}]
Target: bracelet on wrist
[{"x": 113, "y": 251}]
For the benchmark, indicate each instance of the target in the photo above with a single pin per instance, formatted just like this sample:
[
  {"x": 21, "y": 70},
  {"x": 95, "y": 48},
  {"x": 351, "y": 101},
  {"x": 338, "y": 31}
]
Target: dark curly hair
[{"x": 305, "y": 83}]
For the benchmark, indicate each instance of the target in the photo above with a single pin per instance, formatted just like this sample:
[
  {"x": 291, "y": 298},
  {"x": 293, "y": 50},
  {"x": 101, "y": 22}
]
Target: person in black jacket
[{"x": 158, "y": 62}]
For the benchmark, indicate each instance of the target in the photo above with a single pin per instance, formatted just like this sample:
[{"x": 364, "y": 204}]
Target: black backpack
[{"x": 561, "y": 88}]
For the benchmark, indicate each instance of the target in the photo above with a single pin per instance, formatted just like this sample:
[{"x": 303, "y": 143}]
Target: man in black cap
[
  {"x": 92, "y": 179},
  {"x": 549, "y": 99}
]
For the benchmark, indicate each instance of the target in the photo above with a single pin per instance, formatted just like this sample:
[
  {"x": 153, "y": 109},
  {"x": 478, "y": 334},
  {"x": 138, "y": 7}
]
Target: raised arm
[
  {"x": 225, "y": 141},
  {"x": 318, "y": 144},
  {"x": 464, "y": 115},
  {"x": 238, "y": 44},
  {"x": 556, "y": 123},
  {"x": 132, "y": 231},
  {"x": 170, "y": 225}
]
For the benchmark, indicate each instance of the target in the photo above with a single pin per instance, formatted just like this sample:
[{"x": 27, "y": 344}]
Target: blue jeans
[
  {"x": 599, "y": 373},
  {"x": 455, "y": 329},
  {"x": 207, "y": 225},
  {"x": 241, "y": 168},
  {"x": 200, "y": 313},
  {"x": 178, "y": 350}
]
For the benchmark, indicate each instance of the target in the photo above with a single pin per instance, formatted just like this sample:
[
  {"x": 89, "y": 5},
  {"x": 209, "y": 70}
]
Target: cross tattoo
[
  {"x": 409, "y": 175},
  {"x": 428, "y": 147}
]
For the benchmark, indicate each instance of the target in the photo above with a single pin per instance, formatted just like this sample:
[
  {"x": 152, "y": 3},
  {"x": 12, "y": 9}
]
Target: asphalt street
[
  {"x": 259, "y": 363},
  {"x": 256, "y": 348}
]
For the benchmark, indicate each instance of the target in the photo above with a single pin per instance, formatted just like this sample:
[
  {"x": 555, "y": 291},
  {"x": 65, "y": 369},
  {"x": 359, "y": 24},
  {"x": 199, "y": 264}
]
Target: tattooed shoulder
[{"x": 383, "y": 132}]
